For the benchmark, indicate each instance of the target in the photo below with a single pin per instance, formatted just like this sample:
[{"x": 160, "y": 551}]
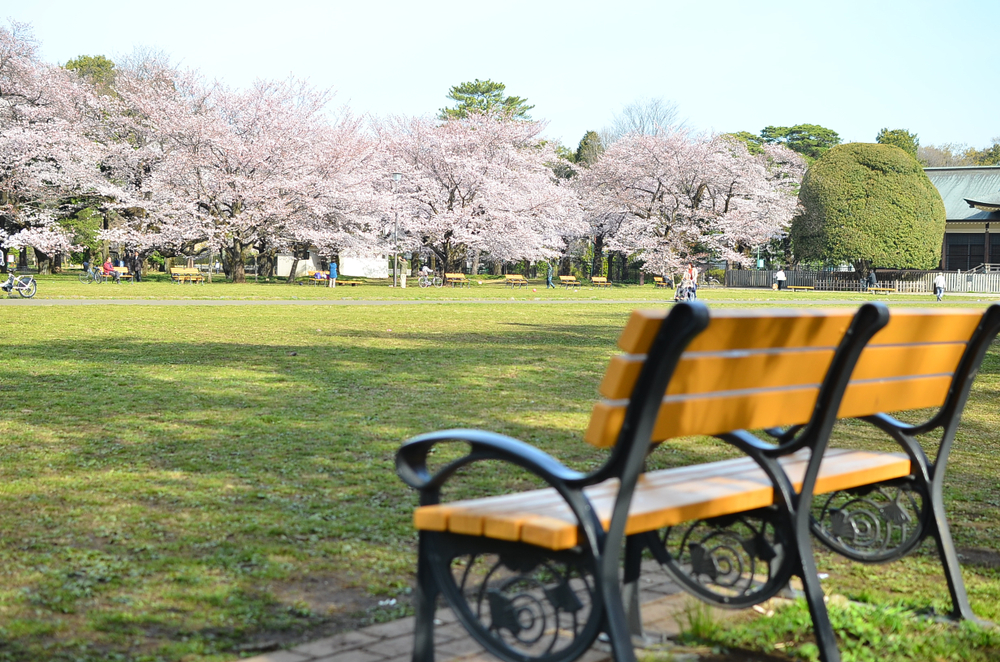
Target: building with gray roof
[{"x": 971, "y": 197}]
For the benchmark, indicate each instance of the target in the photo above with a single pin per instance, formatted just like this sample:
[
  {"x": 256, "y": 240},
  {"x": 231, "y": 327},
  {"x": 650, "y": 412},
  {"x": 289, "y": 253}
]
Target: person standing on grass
[
  {"x": 692, "y": 275},
  {"x": 548, "y": 276},
  {"x": 939, "y": 285},
  {"x": 780, "y": 278},
  {"x": 333, "y": 274}
]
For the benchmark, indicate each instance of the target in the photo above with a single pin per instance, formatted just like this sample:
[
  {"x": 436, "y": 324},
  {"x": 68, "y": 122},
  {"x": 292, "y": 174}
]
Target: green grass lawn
[{"x": 178, "y": 482}]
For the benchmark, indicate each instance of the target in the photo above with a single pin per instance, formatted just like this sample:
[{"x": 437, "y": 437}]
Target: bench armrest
[{"x": 411, "y": 460}]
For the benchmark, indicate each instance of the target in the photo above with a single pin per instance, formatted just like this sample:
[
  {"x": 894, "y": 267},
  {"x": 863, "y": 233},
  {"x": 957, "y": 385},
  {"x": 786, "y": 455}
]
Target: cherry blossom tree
[
  {"x": 263, "y": 168},
  {"x": 477, "y": 184},
  {"x": 682, "y": 197},
  {"x": 45, "y": 157}
]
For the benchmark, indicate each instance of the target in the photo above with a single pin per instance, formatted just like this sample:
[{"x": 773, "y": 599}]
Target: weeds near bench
[{"x": 867, "y": 633}]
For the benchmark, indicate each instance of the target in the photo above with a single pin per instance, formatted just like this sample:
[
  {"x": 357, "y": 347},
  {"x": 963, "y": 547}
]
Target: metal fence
[{"x": 847, "y": 281}]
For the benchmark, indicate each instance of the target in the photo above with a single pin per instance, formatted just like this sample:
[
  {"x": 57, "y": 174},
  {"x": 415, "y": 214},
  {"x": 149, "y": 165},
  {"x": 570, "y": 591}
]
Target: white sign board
[{"x": 363, "y": 266}]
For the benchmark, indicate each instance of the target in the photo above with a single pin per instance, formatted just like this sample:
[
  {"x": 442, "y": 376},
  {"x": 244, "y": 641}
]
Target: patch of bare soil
[
  {"x": 985, "y": 558},
  {"x": 338, "y": 607}
]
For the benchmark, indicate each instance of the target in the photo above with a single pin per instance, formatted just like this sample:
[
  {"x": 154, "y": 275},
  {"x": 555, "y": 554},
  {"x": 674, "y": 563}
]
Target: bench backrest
[
  {"x": 599, "y": 279},
  {"x": 657, "y": 279},
  {"x": 121, "y": 270},
  {"x": 455, "y": 276},
  {"x": 762, "y": 369},
  {"x": 569, "y": 278},
  {"x": 515, "y": 277}
]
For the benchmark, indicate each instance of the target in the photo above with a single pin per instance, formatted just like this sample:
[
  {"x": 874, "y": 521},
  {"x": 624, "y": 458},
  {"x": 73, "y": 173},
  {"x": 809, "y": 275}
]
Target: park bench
[
  {"x": 882, "y": 290},
  {"x": 318, "y": 277},
  {"x": 659, "y": 282},
  {"x": 535, "y": 575},
  {"x": 569, "y": 281},
  {"x": 123, "y": 274},
  {"x": 457, "y": 279},
  {"x": 600, "y": 281},
  {"x": 515, "y": 280},
  {"x": 796, "y": 288},
  {"x": 186, "y": 275}
]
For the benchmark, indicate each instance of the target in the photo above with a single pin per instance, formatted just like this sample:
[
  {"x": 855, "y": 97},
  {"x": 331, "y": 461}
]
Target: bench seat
[
  {"x": 662, "y": 498},
  {"x": 569, "y": 281}
]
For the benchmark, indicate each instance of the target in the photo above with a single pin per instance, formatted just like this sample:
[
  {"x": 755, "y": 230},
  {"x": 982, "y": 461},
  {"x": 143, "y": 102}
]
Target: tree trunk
[
  {"x": 291, "y": 272},
  {"x": 44, "y": 262},
  {"x": 234, "y": 252},
  {"x": 265, "y": 264},
  {"x": 598, "y": 267},
  {"x": 475, "y": 262}
]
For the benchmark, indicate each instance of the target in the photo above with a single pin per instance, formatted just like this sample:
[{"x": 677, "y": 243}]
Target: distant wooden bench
[
  {"x": 456, "y": 279},
  {"x": 600, "y": 281},
  {"x": 319, "y": 277},
  {"x": 659, "y": 282},
  {"x": 186, "y": 275},
  {"x": 352, "y": 283},
  {"x": 795, "y": 288},
  {"x": 515, "y": 280},
  {"x": 731, "y": 532},
  {"x": 123, "y": 273},
  {"x": 881, "y": 290},
  {"x": 569, "y": 281}
]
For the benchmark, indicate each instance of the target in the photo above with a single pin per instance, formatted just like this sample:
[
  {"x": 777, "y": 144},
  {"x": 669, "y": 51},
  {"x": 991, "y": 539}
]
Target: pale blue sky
[{"x": 854, "y": 66}]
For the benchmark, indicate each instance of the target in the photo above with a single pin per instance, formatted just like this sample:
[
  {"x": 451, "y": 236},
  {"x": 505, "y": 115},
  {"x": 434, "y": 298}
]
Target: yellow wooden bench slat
[
  {"x": 954, "y": 325},
  {"x": 912, "y": 358},
  {"x": 662, "y": 498},
  {"x": 736, "y": 329},
  {"x": 701, "y": 373}
]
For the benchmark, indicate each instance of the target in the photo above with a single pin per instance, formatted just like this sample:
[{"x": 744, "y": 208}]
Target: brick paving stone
[
  {"x": 391, "y": 647},
  {"x": 398, "y": 628},
  {"x": 594, "y": 655},
  {"x": 459, "y": 647},
  {"x": 355, "y": 655},
  {"x": 278, "y": 656},
  {"x": 445, "y": 616},
  {"x": 661, "y": 601},
  {"x": 336, "y": 644},
  {"x": 445, "y": 633}
]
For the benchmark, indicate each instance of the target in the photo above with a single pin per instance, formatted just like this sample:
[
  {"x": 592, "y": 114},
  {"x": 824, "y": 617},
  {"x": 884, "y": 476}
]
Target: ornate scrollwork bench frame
[{"x": 525, "y": 603}]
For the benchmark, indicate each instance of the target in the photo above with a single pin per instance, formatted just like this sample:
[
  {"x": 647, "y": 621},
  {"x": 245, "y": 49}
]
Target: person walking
[
  {"x": 780, "y": 277},
  {"x": 548, "y": 276},
  {"x": 939, "y": 285},
  {"x": 692, "y": 275}
]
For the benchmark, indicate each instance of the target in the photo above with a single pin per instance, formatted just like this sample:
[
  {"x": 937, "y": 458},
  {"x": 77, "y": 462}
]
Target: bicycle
[
  {"x": 88, "y": 276},
  {"x": 430, "y": 281},
  {"x": 23, "y": 285}
]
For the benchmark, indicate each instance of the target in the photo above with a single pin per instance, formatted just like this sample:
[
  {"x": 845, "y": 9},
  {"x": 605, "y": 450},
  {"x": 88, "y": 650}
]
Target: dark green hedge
[{"x": 869, "y": 204}]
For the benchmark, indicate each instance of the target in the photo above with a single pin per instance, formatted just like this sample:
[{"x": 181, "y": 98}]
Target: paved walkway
[
  {"x": 546, "y": 302},
  {"x": 661, "y": 601}
]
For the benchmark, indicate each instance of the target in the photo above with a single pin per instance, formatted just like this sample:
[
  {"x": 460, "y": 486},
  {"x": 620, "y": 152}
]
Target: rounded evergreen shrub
[{"x": 869, "y": 205}]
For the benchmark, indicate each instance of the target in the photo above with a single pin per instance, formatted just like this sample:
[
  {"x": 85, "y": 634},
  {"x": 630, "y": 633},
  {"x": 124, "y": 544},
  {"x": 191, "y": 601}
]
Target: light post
[{"x": 396, "y": 176}]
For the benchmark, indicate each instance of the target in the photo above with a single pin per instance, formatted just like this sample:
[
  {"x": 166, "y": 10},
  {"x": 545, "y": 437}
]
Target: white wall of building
[{"x": 303, "y": 268}]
